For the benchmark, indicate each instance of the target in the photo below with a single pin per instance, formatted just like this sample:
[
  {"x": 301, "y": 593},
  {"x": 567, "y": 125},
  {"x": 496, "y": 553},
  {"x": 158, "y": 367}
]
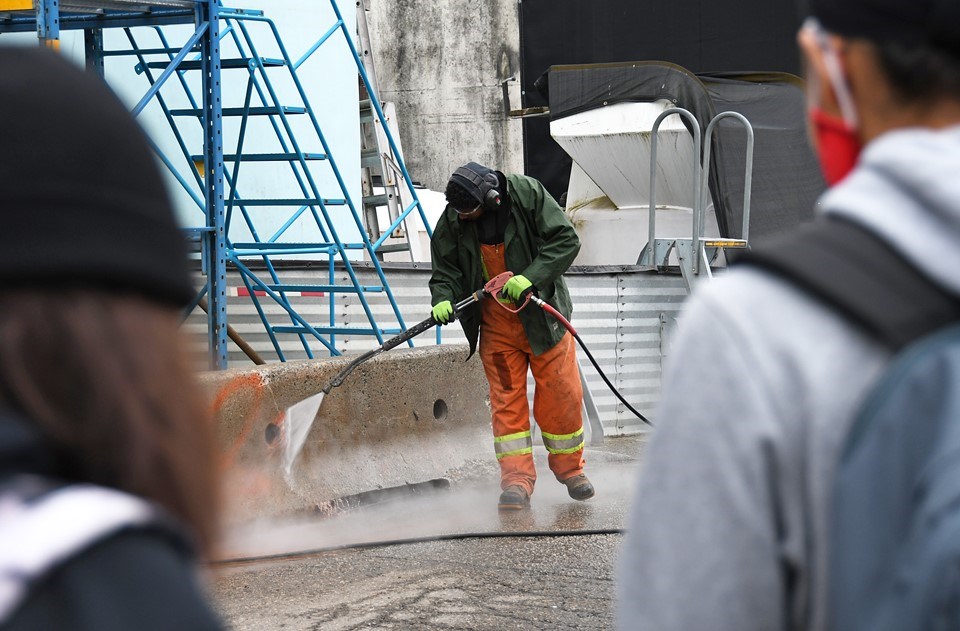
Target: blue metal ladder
[
  {"x": 261, "y": 100},
  {"x": 44, "y": 17},
  {"x": 219, "y": 196}
]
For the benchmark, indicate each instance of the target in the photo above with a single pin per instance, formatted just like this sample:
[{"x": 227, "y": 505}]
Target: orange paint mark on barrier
[
  {"x": 254, "y": 383},
  {"x": 232, "y": 386}
]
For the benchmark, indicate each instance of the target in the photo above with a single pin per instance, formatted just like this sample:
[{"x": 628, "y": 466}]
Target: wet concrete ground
[{"x": 531, "y": 574}]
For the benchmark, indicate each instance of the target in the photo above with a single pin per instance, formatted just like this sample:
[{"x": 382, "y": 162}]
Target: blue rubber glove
[
  {"x": 442, "y": 312},
  {"x": 516, "y": 286}
]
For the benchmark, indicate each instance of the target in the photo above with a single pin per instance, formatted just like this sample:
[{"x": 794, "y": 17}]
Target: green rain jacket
[{"x": 539, "y": 242}]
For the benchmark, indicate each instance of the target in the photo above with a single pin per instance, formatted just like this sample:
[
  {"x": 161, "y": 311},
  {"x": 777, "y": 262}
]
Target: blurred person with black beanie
[
  {"x": 730, "y": 527},
  {"x": 108, "y": 492}
]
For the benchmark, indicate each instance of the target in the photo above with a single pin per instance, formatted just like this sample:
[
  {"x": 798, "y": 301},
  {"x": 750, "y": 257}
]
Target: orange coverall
[{"x": 506, "y": 355}]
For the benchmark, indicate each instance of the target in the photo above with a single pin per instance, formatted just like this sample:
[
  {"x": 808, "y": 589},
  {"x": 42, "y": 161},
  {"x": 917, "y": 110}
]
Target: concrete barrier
[{"x": 403, "y": 417}]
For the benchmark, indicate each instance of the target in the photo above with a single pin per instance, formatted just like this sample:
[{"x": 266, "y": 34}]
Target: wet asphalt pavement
[{"x": 548, "y": 567}]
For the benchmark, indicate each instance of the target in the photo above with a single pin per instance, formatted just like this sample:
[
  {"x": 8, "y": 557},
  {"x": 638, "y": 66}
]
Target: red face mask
[{"x": 838, "y": 146}]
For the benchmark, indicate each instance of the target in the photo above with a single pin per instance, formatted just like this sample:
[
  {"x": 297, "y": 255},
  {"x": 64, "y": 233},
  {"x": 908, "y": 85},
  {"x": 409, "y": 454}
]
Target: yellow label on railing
[
  {"x": 725, "y": 243},
  {"x": 16, "y": 5}
]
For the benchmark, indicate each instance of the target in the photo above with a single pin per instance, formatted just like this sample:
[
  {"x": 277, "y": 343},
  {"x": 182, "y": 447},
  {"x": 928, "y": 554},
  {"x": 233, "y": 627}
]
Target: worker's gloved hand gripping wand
[
  {"x": 518, "y": 287},
  {"x": 444, "y": 312}
]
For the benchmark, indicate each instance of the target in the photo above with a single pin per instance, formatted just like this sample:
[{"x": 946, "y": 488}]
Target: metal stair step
[
  {"x": 394, "y": 247},
  {"x": 291, "y": 202},
  {"x": 264, "y": 157},
  {"x": 335, "y": 289},
  {"x": 226, "y": 64},
  {"x": 102, "y": 6},
  {"x": 276, "y": 245},
  {"x": 239, "y": 111},
  {"x": 376, "y": 200},
  {"x": 129, "y": 5},
  {"x": 340, "y": 330},
  {"x": 280, "y": 249},
  {"x": 370, "y": 158},
  {"x": 146, "y": 51},
  {"x": 366, "y": 111}
]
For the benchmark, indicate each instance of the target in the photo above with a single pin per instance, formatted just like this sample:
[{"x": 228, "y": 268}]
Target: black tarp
[
  {"x": 786, "y": 177},
  {"x": 699, "y": 35},
  {"x": 577, "y": 89}
]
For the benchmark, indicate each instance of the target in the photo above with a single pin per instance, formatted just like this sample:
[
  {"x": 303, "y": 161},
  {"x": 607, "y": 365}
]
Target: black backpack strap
[{"x": 867, "y": 281}]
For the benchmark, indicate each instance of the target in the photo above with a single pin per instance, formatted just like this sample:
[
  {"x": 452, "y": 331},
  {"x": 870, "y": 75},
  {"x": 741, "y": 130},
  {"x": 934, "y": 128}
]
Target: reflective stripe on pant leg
[
  {"x": 513, "y": 444},
  {"x": 563, "y": 443},
  {"x": 558, "y": 405}
]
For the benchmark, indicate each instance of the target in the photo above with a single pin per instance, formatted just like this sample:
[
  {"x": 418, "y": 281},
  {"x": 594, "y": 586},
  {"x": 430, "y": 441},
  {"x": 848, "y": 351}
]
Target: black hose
[
  {"x": 281, "y": 556},
  {"x": 607, "y": 381},
  {"x": 566, "y": 323}
]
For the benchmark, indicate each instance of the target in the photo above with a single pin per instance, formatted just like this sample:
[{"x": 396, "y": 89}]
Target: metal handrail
[
  {"x": 652, "y": 229},
  {"x": 748, "y": 165}
]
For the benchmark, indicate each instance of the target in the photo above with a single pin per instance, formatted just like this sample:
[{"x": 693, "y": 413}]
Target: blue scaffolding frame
[{"x": 202, "y": 52}]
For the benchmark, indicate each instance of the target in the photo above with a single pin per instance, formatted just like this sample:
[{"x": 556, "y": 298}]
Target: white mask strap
[{"x": 834, "y": 72}]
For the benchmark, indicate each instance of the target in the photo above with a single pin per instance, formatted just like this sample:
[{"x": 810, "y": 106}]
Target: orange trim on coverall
[{"x": 558, "y": 395}]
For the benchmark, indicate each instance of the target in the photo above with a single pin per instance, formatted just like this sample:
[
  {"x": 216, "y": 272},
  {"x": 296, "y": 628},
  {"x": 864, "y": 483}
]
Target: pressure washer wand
[
  {"x": 410, "y": 333},
  {"x": 566, "y": 323}
]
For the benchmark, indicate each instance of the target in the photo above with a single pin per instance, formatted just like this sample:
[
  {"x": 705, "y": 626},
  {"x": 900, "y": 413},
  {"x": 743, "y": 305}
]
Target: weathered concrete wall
[
  {"x": 442, "y": 63},
  {"x": 407, "y": 416}
]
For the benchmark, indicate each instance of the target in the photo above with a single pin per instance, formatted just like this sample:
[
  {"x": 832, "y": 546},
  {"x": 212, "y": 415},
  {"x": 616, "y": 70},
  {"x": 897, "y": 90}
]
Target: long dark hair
[{"x": 106, "y": 379}]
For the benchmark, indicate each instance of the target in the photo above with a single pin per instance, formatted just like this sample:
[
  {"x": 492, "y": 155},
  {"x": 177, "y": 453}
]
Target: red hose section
[
  {"x": 566, "y": 323},
  {"x": 569, "y": 327}
]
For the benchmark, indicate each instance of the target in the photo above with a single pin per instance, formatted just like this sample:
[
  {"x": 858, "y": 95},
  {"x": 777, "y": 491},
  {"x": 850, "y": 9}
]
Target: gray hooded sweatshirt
[{"x": 728, "y": 528}]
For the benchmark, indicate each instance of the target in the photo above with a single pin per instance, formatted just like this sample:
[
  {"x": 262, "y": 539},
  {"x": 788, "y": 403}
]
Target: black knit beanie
[
  {"x": 934, "y": 23},
  {"x": 469, "y": 186},
  {"x": 82, "y": 201}
]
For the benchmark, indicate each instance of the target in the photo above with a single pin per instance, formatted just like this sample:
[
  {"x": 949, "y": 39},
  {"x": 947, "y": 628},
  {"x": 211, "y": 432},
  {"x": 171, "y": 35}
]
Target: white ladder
[{"x": 379, "y": 167}]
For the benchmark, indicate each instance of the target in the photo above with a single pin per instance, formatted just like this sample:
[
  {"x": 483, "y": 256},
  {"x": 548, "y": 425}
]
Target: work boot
[
  {"x": 579, "y": 487},
  {"x": 514, "y": 498}
]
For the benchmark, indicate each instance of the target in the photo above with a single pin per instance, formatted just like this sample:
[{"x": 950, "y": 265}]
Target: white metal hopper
[{"x": 609, "y": 193}]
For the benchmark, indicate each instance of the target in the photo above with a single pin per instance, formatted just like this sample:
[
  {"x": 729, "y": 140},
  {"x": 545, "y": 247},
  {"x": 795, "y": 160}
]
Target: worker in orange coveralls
[{"x": 495, "y": 223}]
